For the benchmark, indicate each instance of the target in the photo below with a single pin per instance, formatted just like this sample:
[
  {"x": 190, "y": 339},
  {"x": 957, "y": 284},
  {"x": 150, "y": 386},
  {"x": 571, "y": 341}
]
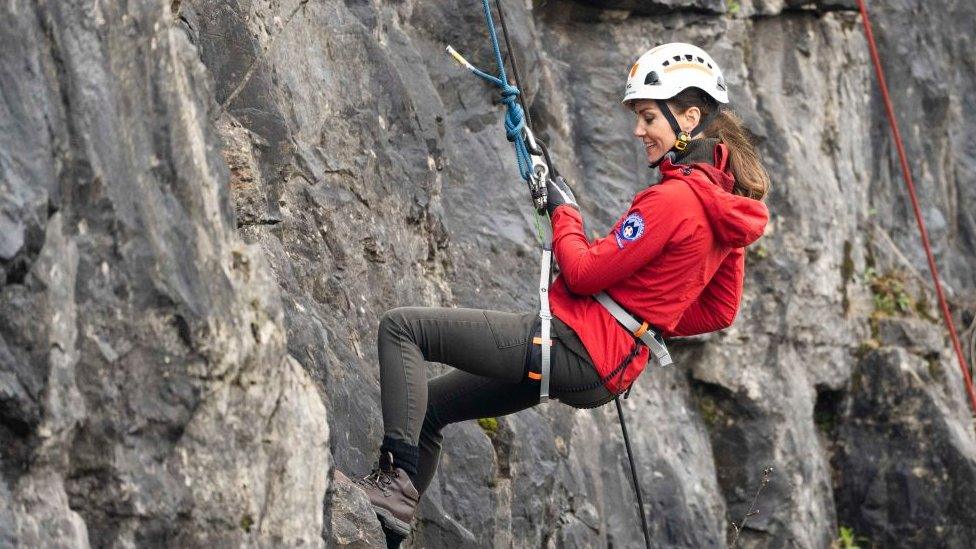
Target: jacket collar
[
  {"x": 698, "y": 151},
  {"x": 707, "y": 155}
]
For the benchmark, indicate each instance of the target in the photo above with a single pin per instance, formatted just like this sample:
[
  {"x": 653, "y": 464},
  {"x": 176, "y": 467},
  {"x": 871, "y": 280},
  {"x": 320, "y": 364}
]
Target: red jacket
[{"x": 675, "y": 260}]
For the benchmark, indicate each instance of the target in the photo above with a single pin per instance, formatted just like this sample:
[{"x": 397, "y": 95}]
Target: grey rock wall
[
  {"x": 902, "y": 457},
  {"x": 146, "y": 395},
  {"x": 207, "y": 205}
]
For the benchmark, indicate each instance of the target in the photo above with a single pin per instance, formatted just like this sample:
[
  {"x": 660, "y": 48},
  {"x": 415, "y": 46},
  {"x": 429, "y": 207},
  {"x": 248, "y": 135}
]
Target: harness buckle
[{"x": 640, "y": 330}]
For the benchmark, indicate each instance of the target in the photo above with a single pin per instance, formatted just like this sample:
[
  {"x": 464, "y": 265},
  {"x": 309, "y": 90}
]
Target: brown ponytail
[{"x": 751, "y": 178}]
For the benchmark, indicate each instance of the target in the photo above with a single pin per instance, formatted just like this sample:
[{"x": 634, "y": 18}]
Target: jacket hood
[{"x": 736, "y": 221}]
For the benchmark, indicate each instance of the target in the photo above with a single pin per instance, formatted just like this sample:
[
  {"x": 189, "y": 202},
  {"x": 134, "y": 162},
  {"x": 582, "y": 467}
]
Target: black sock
[{"x": 405, "y": 455}]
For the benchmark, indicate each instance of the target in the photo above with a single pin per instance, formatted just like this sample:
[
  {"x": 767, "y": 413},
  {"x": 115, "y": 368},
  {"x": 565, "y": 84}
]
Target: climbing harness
[
  {"x": 535, "y": 168},
  {"x": 640, "y": 330},
  {"x": 910, "y": 184}
]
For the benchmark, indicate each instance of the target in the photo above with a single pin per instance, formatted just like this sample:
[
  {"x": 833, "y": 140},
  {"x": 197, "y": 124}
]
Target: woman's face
[{"x": 655, "y": 132}]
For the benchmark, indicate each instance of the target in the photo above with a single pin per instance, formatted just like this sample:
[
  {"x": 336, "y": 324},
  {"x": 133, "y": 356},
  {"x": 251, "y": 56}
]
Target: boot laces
[{"x": 380, "y": 479}]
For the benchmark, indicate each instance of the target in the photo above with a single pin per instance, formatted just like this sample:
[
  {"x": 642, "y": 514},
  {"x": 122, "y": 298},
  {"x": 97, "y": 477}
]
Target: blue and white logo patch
[{"x": 630, "y": 230}]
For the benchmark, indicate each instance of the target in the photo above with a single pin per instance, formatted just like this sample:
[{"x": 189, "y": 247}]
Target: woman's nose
[{"x": 638, "y": 129}]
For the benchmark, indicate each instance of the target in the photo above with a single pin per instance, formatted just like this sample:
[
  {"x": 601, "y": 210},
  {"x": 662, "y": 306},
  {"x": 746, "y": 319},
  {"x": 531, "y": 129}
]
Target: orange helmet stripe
[{"x": 679, "y": 66}]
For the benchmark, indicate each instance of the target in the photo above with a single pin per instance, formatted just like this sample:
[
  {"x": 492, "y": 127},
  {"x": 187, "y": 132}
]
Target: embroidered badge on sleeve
[{"x": 630, "y": 230}]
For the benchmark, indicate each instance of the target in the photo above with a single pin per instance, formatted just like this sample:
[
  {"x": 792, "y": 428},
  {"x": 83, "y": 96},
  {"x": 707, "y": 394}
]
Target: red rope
[{"x": 906, "y": 172}]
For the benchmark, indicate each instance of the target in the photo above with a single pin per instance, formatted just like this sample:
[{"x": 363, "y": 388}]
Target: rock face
[
  {"x": 146, "y": 395},
  {"x": 902, "y": 459},
  {"x": 349, "y": 521},
  {"x": 205, "y": 206}
]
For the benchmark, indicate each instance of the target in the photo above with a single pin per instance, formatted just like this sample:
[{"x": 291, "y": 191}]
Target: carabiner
[{"x": 540, "y": 172}]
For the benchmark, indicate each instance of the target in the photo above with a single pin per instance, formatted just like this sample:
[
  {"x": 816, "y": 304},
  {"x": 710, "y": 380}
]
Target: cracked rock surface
[
  {"x": 146, "y": 394},
  {"x": 205, "y": 207}
]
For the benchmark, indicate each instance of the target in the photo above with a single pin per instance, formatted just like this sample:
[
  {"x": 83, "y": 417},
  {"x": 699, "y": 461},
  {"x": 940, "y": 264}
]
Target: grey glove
[{"x": 559, "y": 194}]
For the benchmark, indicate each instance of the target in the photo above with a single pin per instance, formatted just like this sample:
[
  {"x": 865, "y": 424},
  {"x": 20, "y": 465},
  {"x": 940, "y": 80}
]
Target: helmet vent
[
  {"x": 677, "y": 58},
  {"x": 700, "y": 60},
  {"x": 652, "y": 79},
  {"x": 666, "y": 63},
  {"x": 689, "y": 57}
]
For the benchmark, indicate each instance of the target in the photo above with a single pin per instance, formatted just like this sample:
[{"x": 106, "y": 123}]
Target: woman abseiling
[{"x": 675, "y": 259}]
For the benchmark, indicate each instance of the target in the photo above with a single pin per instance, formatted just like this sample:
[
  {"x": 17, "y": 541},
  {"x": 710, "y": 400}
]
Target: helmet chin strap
[{"x": 681, "y": 137}]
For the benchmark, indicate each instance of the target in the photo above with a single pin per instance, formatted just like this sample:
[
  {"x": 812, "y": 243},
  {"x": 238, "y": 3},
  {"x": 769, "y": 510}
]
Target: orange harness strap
[{"x": 536, "y": 375}]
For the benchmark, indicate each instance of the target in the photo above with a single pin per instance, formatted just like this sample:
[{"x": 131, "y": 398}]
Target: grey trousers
[{"x": 492, "y": 352}]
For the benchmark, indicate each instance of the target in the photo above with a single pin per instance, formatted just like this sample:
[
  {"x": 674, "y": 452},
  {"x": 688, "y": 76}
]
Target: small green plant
[
  {"x": 889, "y": 294},
  {"x": 709, "y": 410},
  {"x": 489, "y": 425},
  {"x": 246, "y": 523},
  {"x": 758, "y": 252},
  {"x": 847, "y": 539},
  {"x": 734, "y": 7}
]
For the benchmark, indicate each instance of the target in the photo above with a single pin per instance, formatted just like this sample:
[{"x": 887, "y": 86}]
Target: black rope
[
  {"x": 633, "y": 471},
  {"x": 515, "y": 72}
]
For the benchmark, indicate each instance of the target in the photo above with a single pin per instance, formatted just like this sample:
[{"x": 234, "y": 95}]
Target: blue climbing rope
[{"x": 514, "y": 116}]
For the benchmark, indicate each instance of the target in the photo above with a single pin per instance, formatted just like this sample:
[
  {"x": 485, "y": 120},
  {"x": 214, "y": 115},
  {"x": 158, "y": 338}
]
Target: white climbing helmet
[{"x": 666, "y": 70}]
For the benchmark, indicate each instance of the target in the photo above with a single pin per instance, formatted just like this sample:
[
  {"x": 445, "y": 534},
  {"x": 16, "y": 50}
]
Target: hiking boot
[{"x": 392, "y": 495}]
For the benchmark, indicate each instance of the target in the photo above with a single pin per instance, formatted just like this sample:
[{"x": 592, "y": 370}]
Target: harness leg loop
[{"x": 545, "y": 317}]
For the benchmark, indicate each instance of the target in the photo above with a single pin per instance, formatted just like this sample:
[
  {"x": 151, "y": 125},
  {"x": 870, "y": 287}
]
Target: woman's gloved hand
[{"x": 559, "y": 194}]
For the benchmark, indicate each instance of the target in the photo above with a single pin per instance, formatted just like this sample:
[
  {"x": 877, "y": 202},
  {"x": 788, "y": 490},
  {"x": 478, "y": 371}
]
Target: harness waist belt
[{"x": 640, "y": 330}]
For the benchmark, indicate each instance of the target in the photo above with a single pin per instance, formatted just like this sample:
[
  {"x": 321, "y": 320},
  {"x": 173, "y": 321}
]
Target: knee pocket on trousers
[{"x": 507, "y": 329}]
